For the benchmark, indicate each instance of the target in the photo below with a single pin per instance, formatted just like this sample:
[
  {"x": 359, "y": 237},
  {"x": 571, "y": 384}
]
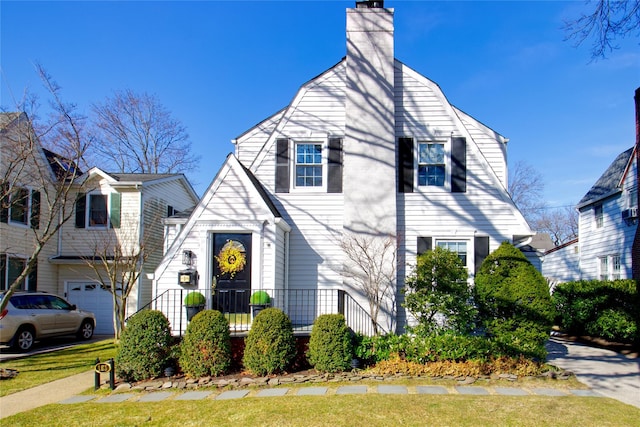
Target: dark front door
[{"x": 232, "y": 272}]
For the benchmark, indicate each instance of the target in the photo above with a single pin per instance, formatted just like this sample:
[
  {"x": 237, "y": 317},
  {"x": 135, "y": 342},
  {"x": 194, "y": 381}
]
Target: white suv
[{"x": 31, "y": 316}]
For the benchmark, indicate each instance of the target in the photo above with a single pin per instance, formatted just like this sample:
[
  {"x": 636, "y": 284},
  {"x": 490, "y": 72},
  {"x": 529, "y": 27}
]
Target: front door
[{"x": 232, "y": 272}]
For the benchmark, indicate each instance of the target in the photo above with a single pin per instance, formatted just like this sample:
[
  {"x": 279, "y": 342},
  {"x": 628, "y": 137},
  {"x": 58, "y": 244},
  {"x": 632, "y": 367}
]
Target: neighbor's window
[
  {"x": 615, "y": 267},
  {"x": 431, "y": 165},
  {"x": 604, "y": 268},
  {"x": 98, "y": 215},
  {"x": 19, "y": 207},
  {"x": 308, "y": 165},
  {"x": 459, "y": 248},
  {"x": 10, "y": 269},
  {"x": 599, "y": 215}
]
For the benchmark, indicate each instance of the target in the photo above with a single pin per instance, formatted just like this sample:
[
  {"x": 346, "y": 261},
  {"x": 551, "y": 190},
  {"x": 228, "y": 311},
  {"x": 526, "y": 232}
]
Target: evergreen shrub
[
  {"x": 330, "y": 348},
  {"x": 270, "y": 345},
  {"x": 144, "y": 346},
  {"x": 514, "y": 303},
  {"x": 206, "y": 346}
]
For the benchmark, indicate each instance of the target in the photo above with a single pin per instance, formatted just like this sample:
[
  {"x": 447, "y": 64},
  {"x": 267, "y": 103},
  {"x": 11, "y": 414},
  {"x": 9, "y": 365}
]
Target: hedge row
[{"x": 607, "y": 309}]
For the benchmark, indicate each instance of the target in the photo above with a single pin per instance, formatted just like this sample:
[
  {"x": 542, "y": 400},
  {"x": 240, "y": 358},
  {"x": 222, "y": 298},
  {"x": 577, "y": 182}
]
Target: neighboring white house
[
  {"x": 368, "y": 149},
  {"x": 608, "y": 218}
]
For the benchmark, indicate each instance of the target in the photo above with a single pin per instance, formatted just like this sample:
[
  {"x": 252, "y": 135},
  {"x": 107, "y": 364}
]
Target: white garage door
[{"x": 91, "y": 297}]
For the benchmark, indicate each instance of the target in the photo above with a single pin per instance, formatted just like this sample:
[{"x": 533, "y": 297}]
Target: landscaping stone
[
  {"x": 352, "y": 389},
  {"x": 392, "y": 389},
  {"x": 477, "y": 391},
  {"x": 77, "y": 399},
  {"x": 115, "y": 398},
  {"x": 155, "y": 397},
  {"x": 313, "y": 391},
  {"x": 549, "y": 392},
  {"x": 193, "y": 395},
  {"x": 272, "y": 392},
  {"x": 511, "y": 391},
  {"x": 232, "y": 394},
  {"x": 431, "y": 389}
]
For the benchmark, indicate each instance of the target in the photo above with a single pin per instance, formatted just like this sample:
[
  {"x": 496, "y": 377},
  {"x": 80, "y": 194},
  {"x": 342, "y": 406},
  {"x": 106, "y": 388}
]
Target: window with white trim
[
  {"x": 19, "y": 206},
  {"x": 615, "y": 267},
  {"x": 431, "y": 164},
  {"x": 98, "y": 214},
  {"x": 10, "y": 269},
  {"x": 308, "y": 165},
  {"x": 603, "y": 268},
  {"x": 457, "y": 247}
]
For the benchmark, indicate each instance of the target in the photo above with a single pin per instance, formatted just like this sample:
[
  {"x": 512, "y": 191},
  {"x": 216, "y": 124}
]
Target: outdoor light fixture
[{"x": 187, "y": 257}]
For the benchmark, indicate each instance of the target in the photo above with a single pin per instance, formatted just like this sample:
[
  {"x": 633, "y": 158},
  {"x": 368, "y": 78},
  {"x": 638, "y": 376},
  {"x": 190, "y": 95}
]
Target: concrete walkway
[{"x": 606, "y": 372}]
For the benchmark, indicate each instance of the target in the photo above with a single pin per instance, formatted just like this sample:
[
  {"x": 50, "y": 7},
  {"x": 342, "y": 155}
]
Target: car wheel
[
  {"x": 24, "y": 339},
  {"x": 86, "y": 330}
]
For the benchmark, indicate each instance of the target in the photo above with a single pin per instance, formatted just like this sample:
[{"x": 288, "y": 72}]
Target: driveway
[
  {"x": 604, "y": 371},
  {"x": 46, "y": 346}
]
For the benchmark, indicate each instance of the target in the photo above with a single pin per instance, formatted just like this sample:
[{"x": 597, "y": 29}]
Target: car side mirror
[{"x": 73, "y": 307}]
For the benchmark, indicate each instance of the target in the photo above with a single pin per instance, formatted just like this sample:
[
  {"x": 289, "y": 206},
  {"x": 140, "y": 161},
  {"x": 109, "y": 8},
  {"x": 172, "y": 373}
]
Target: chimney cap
[{"x": 370, "y": 4}]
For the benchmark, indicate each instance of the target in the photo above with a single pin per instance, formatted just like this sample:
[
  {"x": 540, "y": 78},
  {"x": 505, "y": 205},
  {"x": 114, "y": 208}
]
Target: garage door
[{"x": 91, "y": 297}]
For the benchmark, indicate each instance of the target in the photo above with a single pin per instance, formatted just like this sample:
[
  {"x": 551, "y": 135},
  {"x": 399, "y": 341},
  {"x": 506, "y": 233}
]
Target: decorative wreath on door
[{"x": 231, "y": 258}]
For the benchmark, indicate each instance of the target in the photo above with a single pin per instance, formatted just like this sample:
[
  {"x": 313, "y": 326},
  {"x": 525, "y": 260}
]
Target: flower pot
[
  {"x": 257, "y": 308},
  {"x": 192, "y": 310}
]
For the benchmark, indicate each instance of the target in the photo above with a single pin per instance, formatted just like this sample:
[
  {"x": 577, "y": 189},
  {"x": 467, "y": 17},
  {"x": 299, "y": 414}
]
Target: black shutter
[
  {"x": 3, "y": 272},
  {"x": 4, "y": 202},
  {"x": 458, "y": 165},
  {"x": 405, "y": 165},
  {"x": 334, "y": 167},
  {"x": 32, "y": 282},
  {"x": 424, "y": 245},
  {"x": 81, "y": 207},
  {"x": 282, "y": 166},
  {"x": 481, "y": 251},
  {"x": 35, "y": 209}
]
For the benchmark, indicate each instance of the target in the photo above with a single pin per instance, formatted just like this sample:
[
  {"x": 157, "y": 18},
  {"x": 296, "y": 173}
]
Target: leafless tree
[
  {"x": 526, "y": 187},
  {"x": 51, "y": 173},
  {"x": 138, "y": 134},
  {"x": 561, "y": 224},
  {"x": 607, "y": 21},
  {"x": 371, "y": 266}
]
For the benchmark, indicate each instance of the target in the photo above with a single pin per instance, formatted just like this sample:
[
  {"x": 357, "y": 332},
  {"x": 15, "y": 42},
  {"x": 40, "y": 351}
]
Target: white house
[
  {"x": 369, "y": 149},
  {"x": 608, "y": 217}
]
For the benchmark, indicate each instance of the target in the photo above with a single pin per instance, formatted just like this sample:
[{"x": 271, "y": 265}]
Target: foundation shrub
[
  {"x": 206, "y": 346},
  {"x": 270, "y": 345},
  {"x": 144, "y": 346},
  {"x": 514, "y": 303},
  {"x": 330, "y": 347}
]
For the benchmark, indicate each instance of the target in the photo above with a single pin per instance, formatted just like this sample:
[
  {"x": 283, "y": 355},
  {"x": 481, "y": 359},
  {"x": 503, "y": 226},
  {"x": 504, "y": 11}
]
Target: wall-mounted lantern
[{"x": 187, "y": 258}]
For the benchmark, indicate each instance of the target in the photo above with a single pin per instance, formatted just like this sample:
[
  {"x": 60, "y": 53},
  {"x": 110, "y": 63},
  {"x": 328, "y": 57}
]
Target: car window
[
  {"x": 58, "y": 303},
  {"x": 20, "y": 301}
]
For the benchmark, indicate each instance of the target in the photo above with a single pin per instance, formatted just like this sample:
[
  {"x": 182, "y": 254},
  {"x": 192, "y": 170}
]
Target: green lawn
[
  {"x": 349, "y": 410},
  {"x": 43, "y": 368}
]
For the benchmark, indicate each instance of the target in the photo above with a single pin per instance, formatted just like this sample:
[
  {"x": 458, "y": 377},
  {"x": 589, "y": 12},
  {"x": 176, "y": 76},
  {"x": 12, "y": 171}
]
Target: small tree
[
  {"x": 370, "y": 265},
  {"x": 437, "y": 293},
  {"x": 514, "y": 302}
]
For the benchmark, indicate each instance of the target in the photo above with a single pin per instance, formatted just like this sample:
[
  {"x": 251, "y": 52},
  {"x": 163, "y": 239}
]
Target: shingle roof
[
  {"x": 609, "y": 181},
  {"x": 141, "y": 177}
]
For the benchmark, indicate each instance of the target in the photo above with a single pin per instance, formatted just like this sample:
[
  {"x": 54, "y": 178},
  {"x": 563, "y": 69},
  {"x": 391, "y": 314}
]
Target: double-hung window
[
  {"x": 98, "y": 214},
  {"x": 598, "y": 213},
  {"x": 431, "y": 164},
  {"x": 604, "y": 268},
  {"x": 10, "y": 269},
  {"x": 308, "y": 165},
  {"x": 19, "y": 208},
  {"x": 98, "y": 210},
  {"x": 457, "y": 247},
  {"x": 615, "y": 267}
]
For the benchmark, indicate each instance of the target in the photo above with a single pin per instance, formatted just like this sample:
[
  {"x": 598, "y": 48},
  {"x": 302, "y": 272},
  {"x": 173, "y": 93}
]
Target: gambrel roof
[{"x": 610, "y": 181}]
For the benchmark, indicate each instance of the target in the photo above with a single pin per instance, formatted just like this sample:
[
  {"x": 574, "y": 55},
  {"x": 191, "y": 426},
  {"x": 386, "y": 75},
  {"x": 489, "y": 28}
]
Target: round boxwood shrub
[
  {"x": 330, "y": 348},
  {"x": 144, "y": 346},
  {"x": 270, "y": 346},
  {"x": 206, "y": 346},
  {"x": 260, "y": 298},
  {"x": 514, "y": 303},
  {"x": 194, "y": 299}
]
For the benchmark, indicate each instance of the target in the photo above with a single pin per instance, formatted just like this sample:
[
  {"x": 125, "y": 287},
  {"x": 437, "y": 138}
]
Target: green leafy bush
[
  {"x": 514, "y": 304},
  {"x": 437, "y": 293},
  {"x": 206, "y": 346},
  {"x": 194, "y": 299},
  {"x": 607, "y": 309},
  {"x": 330, "y": 348},
  {"x": 144, "y": 346},
  {"x": 260, "y": 298},
  {"x": 270, "y": 345}
]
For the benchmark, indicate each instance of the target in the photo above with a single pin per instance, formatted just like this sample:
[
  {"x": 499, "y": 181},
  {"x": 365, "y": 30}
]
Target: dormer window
[{"x": 98, "y": 214}]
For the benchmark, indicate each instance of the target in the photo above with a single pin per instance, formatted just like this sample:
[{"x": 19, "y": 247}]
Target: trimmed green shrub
[
  {"x": 194, "y": 299},
  {"x": 607, "y": 309},
  {"x": 270, "y": 346},
  {"x": 206, "y": 346},
  {"x": 437, "y": 293},
  {"x": 514, "y": 303},
  {"x": 144, "y": 346},
  {"x": 260, "y": 298},
  {"x": 330, "y": 348}
]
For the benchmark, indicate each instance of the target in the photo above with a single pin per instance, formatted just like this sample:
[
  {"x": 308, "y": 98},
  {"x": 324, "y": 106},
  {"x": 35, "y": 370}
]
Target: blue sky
[{"x": 222, "y": 66}]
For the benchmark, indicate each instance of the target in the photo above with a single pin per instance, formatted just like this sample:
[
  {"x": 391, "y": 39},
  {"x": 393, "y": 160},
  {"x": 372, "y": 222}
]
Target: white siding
[{"x": 562, "y": 265}]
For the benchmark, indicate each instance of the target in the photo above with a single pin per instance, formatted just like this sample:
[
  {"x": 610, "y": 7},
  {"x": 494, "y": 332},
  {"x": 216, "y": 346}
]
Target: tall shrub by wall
[
  {"x": 270, "y": 345},
  {"x": 206, "y": 346}
]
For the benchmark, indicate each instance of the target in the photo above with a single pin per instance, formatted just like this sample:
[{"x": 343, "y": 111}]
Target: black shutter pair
[
  {"x": 114, "y": 210},
  {"x": 458, "y": 165},
  {"x": 334, "y": 166}
]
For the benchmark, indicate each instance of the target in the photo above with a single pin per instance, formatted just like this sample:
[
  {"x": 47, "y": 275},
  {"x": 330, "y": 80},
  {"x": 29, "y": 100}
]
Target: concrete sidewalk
[
  {"x": 45, "y": 394},
  {"x": 609, "y": 373}
]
